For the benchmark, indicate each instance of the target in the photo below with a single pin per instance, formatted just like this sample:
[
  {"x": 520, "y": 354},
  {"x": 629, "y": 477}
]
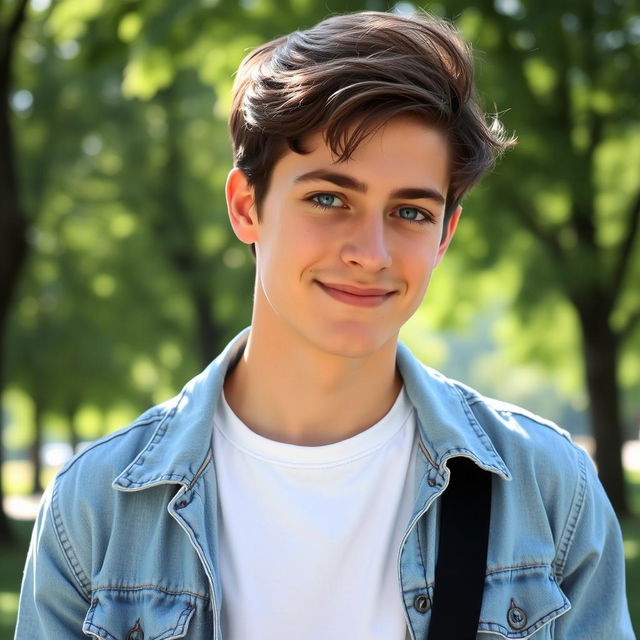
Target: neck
[{"x": 291, "y": 392}]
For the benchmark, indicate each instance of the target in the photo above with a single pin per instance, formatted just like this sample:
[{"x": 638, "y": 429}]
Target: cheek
[
  {"x": 308, "y": 244},
  {"x": 290, "y": 250},
  {"x": 419, "y": 260}
]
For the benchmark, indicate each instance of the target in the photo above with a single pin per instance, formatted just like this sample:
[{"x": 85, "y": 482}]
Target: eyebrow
[{"x": 347, "y": 182}]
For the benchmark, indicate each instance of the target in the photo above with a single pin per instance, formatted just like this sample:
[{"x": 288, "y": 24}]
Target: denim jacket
[{"x": 125, "y": 543}]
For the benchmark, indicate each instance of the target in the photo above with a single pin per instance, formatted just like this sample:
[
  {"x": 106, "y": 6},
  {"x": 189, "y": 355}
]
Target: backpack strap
[{"x": 462, "y": 552}]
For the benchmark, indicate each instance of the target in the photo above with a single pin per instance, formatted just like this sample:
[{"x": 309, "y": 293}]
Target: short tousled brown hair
[{"x": 346, "y": 77}]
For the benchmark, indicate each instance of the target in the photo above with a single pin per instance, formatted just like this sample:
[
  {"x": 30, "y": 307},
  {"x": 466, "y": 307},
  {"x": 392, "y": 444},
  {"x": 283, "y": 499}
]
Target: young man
[{"x": 294, "y": 489}]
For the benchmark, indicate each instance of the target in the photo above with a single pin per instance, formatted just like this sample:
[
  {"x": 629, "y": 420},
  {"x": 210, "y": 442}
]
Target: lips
[
  {"x": 362, "y": 297},
  {"x": 356, "y": 291}
]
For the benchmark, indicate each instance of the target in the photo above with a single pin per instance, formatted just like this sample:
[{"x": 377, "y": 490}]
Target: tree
[
  {"x": 554, "y": 208},
  {"x": 143, "y": 92},
  {"x": 13, "y": 222},
  {"x": 566, "y": 204},
  {"x": 69, "y": 343}
]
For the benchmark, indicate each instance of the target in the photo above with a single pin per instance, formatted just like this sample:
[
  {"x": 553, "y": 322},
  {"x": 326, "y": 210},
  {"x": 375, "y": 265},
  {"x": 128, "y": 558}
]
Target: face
[{"x": 345, "y": 250}]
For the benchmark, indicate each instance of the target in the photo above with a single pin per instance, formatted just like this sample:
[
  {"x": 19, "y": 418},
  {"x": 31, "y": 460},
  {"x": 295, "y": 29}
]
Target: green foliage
[
  {"x": 123, "y": 151},
  {"x": 558, "y": 208},
  {"x": 120, "y": 112}
]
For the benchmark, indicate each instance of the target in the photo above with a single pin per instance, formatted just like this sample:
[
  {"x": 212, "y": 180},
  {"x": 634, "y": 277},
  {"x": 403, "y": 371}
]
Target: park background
[{"x": 121, "y": 277}]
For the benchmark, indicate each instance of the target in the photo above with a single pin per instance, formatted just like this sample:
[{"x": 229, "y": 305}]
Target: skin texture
[{"x": 319, "y": 365}]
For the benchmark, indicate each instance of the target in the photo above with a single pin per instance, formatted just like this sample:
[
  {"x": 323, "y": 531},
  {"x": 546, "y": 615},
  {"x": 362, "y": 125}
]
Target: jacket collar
[
  {"x": 181, "y": 444},
  {"x": 180, "y": 447},
  {"x": 446, "y": 423}
]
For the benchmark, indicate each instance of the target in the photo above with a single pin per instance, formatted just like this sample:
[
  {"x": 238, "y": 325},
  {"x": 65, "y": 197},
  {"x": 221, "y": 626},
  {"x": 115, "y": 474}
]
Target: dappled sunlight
[
  {"x": 631, "y": 549},
  {"x": 8, "y": 606}
]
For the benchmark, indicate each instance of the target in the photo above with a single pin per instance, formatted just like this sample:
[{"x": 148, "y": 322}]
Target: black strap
[{"x": 462, "y": 552}]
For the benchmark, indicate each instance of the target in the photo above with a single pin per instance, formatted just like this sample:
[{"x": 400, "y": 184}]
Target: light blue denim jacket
[{"x": 126, "y": 539}]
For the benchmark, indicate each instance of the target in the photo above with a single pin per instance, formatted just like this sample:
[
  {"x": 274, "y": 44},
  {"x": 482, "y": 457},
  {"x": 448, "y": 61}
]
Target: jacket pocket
[
  {"x": 138, "y": 613},
  {"x": 519, "y": 602}
]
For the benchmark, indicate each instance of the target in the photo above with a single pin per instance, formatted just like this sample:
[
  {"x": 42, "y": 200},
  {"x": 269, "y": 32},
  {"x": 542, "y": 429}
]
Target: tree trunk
[
  {"x": 6, "y": 534},
  {"x": 36, "y": 450},
  {"x": 184, "y": 255},
  {"x": 601, "y": 348},
  {"x": 208, "y": 332},
  {"x": 13, "y": 223},
  {"x": 74, "y": 438}
]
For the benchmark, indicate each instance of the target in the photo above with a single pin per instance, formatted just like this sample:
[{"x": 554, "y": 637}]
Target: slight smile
[{"x": 356, "y": 296}]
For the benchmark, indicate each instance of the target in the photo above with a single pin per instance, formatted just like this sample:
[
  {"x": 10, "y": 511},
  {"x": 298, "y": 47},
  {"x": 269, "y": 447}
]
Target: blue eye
[
  {"x": 325, "y": 201},
  {"x": 412, "y": 214}
]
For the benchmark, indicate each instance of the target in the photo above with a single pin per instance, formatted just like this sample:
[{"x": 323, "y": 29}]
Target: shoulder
[
  {"x": 504, "y": 418},
  {"x": 544, "y": 462},
  {"x": 552, "y": 477},
  {"x": 80, "y": 506},
  {"x": 545, "y": 467},
  {"x": 528, "y": 442},
  {"x": 519, "y": 433},
  {"x": 82, "y": 497},
  {"x": 108, "y": 456},
  {"x": 464, "y": 415}
]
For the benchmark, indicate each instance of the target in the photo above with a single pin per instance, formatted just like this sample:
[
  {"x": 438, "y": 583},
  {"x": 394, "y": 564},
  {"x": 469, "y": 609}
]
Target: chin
[{"x": 354, "y": 342}]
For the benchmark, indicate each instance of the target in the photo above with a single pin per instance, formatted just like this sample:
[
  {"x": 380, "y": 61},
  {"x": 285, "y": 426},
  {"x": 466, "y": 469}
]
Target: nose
[{"x": 366, "y": 245}]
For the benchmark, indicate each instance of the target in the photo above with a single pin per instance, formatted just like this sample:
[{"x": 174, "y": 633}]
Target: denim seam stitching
[
  {"x": 431, "y": 585},
  {"x": 522, "y": 413},
  {"x": 180, "y": 478},
  {"x": 98, "y": 630},
  {"x": 194, "y": 539},
  {"x": 517, "y": 567},
  {"x": 150, "y": 587},
  {"x": 183, "y": 619},
  {"x": 66, "y": 547},
  {"x": 94, "y": 628},
  {"x": 422, "y": 557},
  {"x": 475, "y": 425},
  {"x": 159, "y": 433},
  {"x": 88, "y": 623},
  {"x": 180, "y": 625},
  {"x": 105, "y": 440},
  {"x": 568, "y": 535}
]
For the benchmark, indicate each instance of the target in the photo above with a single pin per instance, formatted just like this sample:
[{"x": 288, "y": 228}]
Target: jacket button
[
  {"x": 517, "y": 617},
  {"x": 182, "y": 504},
  {"x": 422, "y": 603},
  {"x": 136, "y": 632}
]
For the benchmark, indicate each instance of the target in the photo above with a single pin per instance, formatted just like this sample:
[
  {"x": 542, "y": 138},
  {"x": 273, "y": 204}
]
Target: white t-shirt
[{"x": 309, "y": 536}]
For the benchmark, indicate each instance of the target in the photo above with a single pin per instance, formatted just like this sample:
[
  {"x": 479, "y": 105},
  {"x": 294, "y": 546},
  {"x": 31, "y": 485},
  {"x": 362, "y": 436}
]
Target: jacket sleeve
[
  {"x": 55, "y": 596},
  {"x": 592, "y": 567}
]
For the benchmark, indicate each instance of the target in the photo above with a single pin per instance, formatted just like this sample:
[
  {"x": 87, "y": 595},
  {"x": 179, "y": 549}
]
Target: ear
[
  {"x": 447, "y": 236},
  {"x": 241, "y": 206}
]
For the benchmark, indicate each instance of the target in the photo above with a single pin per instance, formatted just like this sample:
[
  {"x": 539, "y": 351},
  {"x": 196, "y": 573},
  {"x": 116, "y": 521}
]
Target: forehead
[{"x": 404, "y": 150}]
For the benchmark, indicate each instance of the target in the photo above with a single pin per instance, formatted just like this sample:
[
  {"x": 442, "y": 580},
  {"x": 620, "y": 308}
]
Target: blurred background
[{"x": 121, "y": 277}]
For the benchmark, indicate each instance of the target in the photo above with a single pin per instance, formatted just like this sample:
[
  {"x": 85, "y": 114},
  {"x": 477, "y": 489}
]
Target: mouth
[{"x": 356, "y": 296}]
